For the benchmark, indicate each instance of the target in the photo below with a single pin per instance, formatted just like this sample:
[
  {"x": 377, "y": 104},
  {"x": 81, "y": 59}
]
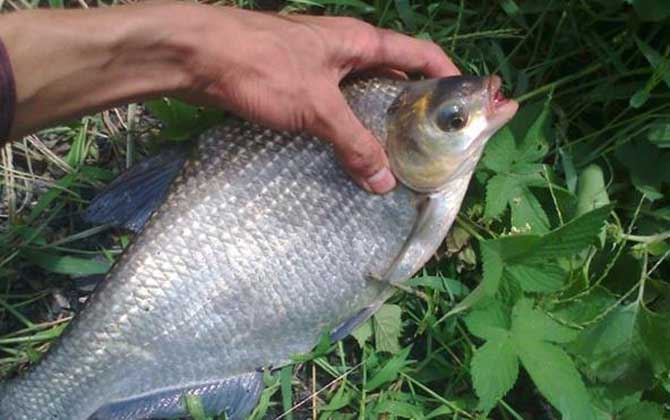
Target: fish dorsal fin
[
  {"x": 131, "y": 198},
  {"x": 235, "y": 396}
]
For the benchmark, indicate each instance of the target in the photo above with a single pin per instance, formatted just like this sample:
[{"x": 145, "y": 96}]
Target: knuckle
[
  {"x": 367, "y": 40},
  {"x": 361, "y": 159}
]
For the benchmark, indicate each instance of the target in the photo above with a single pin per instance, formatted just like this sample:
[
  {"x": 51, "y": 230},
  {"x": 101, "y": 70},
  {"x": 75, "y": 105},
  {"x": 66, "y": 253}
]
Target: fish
[{"x": 252, "y": 245}]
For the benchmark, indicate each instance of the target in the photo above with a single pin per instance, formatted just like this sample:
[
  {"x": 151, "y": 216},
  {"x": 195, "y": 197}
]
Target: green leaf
[
  {"x": 488, "y": 321},
  {"x": 572, "y": 237},
  {"x": 363, "y": 333},
  {"x": 182, "y": 121},
  {"x": 643, "y": 410},
  {"x": 613, "y": 351},
  {"x": 655, "y": 333},
  {"x": 338, "y": 401},
  {"x": 499, "y": 190},
  {"x": 387, "y": 327},
  {"x": 66, "y": 264},
  {"x": 194, "y": 407},
  {"x": 556, "y": 377},
  {"x": 492, "y": 266},
  {"x": 586, "y": 308},
  {"x": 406, "y": 14},
  {"x": 541, "y": 278},
  {"x": 390, "y": 371},
  {"x": 653, "y": 10},
  {"x": 639, "y": 98},
  {"x": 285, "y": 377},
  {"x": 527, "y": 213},
  {"x": 533, "y": 324},
  {"x": 647, "y": 166},
  {"x": 440, "y": 284},
  {"x": 500, "y": 152},
  {"x": 494, "y": 369},
  {"x": 659, "y": 134},
  {"x": 534, "y": 145},
  {"x": 660, "y": 65}
]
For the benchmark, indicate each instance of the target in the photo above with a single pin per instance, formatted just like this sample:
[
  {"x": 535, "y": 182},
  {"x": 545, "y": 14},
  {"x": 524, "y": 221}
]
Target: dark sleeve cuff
[{"x": 7, "y": 95}]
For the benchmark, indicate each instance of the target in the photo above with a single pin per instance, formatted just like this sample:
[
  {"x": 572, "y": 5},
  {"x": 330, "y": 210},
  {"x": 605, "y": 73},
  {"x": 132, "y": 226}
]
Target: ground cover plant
[{"x": 549, "y": 299}]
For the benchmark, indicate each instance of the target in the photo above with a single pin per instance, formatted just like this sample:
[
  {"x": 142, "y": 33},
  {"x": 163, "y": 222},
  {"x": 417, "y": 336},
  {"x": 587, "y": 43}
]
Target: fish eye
[{"x": 451, "y": 118}]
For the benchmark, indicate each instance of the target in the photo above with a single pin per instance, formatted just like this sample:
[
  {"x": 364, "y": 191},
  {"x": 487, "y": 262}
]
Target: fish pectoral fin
[
  {"x": 133, "y": 196},
  {"x": 349, "y": 325},
  {"x": 235, "y": 396},
  {"x": 435, "y": 217}
]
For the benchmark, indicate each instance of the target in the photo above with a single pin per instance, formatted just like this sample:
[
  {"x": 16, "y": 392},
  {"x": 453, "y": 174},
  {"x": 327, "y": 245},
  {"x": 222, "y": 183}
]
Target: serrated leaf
[
  {"x": 390, "y": 371},
  {"x": 500, "y": 152},
  {"x": 586, "y": 308},
  {"x": 499, "y": 189},
  {"x": 613, "y": 351},
  {"x": 527, "y": 213},
  {"x": 556, "y": 377},
  {"x": 494, "y": 369},
  {"x": 533, "y": 147},
  {"x": 533, "y": 324},
  {"x": 488, "y": 321},
  {"x": 492, "y": 266},
  {"x": 363, "y": 333},
  {"x": 655, "y": 333},
  {"x": 387, "y": 326},
  {"x": 572, "y": 237},
  {"x": 542, "y": 278}
]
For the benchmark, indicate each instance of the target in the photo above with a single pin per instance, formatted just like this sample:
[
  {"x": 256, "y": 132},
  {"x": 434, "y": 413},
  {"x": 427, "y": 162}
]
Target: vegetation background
[{"x": 549, "y": 299}]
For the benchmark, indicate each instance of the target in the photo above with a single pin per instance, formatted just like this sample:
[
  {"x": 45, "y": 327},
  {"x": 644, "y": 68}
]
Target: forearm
[{"x": 69, "y": 63}]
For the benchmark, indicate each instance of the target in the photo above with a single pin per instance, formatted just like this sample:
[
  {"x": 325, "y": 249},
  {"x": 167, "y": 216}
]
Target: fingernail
[{"x": 381, "y": 182}]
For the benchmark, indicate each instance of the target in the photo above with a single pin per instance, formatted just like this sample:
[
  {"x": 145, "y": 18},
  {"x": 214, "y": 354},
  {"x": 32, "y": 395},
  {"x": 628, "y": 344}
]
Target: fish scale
[{"x": 261, "y": 245}]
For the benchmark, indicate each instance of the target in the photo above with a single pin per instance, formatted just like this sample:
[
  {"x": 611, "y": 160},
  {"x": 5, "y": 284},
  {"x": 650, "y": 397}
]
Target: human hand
[
  {"x": 281, "y": 71},
  {"x": 284, "y": 72}
]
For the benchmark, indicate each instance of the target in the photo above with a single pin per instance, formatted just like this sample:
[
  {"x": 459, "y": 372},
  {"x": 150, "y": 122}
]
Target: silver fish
[{"x": 261, "y": 244}]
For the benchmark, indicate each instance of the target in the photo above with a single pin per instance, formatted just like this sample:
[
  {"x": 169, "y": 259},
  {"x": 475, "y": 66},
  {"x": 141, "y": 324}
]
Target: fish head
[{"x": 437, "y": 128}]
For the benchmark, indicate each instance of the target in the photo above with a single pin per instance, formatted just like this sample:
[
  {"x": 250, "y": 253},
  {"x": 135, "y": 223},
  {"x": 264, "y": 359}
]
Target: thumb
[{"x": 356, "y": 148}]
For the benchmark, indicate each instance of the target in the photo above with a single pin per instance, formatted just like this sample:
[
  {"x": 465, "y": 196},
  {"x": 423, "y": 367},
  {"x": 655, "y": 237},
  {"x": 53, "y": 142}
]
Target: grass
[{"x": 486, "y": 329}]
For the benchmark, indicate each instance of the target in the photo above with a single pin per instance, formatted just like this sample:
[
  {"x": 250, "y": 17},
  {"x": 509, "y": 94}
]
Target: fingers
[
  {"x": 359, "y": 152},
  {"x": 409, "y": 54},
  {"x": 374, "y": 47}
]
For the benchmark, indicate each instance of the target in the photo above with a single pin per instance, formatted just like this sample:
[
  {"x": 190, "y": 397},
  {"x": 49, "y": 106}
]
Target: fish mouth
[{"x": 501, "y": 109}]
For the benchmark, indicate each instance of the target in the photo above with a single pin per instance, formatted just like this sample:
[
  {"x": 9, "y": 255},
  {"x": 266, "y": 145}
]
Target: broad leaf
[
  {"x": 387, "y": 327},
  {"x": 532, "y": 324},
  {"x": 488, "y": 321},
  {"x": 572, "y": 237},
  {"x": 557, "y": 378},
  {"x": 613, "y": 351},
  {"x": 542, "y": 278},
  {"x": 494, "y": 369}
]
